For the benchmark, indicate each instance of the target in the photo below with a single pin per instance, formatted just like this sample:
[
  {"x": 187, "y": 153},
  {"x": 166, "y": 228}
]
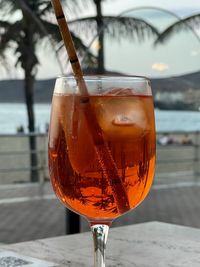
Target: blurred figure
[
  {"x": 20, "y": 129},
  {"x": 165, "y": 139},
  {"x": 46, "y": 127},
  {"x": 186, "y": 140}
]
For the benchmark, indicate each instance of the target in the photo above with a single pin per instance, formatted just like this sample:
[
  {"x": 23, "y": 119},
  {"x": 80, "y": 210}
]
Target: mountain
[
  {"x": 177, "y": 83},
  {"x": 11, "y": 91}
]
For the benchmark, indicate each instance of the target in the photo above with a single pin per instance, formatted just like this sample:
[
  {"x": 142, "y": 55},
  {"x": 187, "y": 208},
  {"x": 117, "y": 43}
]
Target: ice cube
[
  {"x": 122, "y": 117},
  {"x": 131, "y": 113}
]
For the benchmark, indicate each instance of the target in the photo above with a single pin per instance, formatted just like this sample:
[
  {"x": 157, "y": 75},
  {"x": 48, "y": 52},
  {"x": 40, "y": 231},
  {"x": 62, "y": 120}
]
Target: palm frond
[
  {"x": 44, "y": 7},
  {"x": 84, "y": 26},
  {"x": 186, "y": 24},
  {"x": 81, "y": 48},
  {"x": 4, "y": 25},
  {"x": 76, "y": 6},
  {"x": 8, "y": 7},
  {"x": 58, "y": 46},
  {"x": 116, "y": 27},
  {"x": 11, "y": 32},
  {"x": 27, "y": 11},
  {"x": 52, "y": 30},
  {"x": 128, "y": 27}
]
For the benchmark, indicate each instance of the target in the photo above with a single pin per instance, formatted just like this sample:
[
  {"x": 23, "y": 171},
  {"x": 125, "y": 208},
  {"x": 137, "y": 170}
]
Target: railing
[
  {"x": 177, "y": 162},
  {"x": 15, "y": 158},
  {"x": 173, "y": 161}
]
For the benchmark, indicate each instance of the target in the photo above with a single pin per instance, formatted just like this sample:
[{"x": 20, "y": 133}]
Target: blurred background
[{"x": 148, "y": 38}]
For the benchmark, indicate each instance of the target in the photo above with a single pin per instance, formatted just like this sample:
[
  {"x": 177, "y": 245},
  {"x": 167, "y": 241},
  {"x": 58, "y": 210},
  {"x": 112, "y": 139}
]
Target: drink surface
[{"x": 127, "y": 126}]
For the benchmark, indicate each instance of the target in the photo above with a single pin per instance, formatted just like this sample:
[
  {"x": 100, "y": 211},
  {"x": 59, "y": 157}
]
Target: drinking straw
[{"x": 102, "y": 150}]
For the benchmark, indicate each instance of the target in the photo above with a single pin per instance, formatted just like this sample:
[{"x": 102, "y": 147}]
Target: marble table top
[{"x": 141, "y": 245}]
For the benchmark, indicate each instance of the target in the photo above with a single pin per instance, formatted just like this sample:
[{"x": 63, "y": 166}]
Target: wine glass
[{"x": 102, "y": 149}]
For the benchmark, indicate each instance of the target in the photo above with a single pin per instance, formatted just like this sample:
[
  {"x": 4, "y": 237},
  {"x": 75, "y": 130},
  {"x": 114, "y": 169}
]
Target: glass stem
[{"x": 100, "y": 234}]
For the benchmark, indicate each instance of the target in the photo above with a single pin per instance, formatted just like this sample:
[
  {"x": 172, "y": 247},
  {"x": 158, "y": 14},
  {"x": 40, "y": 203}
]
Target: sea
[{"x": 13, "y": 116}]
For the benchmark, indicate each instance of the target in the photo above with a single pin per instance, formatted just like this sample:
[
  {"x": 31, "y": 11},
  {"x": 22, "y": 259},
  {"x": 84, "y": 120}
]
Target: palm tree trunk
[
  {"x": 28, "y": 88},
  {"x": 99, "y": 21}
]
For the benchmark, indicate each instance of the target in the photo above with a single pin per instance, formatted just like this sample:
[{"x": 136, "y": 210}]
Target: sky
[
  {"x": 49, "y": 66},
  {"x": 178, "y": 6}
]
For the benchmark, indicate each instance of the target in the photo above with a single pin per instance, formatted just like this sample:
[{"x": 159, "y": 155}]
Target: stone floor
[{"x": 29, "y": 212}]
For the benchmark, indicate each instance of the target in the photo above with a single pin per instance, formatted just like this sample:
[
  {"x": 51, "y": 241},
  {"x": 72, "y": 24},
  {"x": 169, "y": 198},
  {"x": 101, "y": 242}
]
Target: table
[{"x": 141, "y": 245}]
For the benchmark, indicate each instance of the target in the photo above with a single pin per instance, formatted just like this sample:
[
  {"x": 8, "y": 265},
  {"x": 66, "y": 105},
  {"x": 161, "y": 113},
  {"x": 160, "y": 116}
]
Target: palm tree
[
  {"x": 116, "y": 26},
  {"x": 24, "y": 35}
]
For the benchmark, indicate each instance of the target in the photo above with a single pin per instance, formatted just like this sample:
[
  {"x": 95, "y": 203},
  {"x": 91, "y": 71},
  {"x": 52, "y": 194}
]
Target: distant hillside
[
  {"x": 11, "y": 91},
  {"x": 179, "y": 83}
]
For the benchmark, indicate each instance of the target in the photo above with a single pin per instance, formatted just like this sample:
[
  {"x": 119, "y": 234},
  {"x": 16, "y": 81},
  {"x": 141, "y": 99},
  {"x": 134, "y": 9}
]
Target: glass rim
[
  {"x": 69, "y": 83},
  {"x": 106, "y": 77}
]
